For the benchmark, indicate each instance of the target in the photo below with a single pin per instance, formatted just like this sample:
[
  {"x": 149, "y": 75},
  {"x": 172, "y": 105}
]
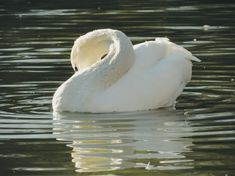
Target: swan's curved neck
[{"x": 88, "y": 50}]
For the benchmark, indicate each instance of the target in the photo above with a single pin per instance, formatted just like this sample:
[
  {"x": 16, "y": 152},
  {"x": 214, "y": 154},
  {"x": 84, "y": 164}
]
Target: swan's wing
[
  {"x": 148, "y": 53},
  {"x": 176, "y": 49}
]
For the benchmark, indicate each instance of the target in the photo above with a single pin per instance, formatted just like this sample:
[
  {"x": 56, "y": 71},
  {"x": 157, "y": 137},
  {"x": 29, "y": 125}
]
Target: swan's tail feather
[
  {"x": 166, "y": 40},
  {"x": 193, "y": 58}
]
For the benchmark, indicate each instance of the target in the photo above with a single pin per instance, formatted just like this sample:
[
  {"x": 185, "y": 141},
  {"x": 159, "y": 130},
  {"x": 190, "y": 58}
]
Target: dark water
[{"x": 196, "y": 139}]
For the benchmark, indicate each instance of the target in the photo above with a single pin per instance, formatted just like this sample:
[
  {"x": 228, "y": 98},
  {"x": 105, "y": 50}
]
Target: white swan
[{"x": 145, "y": 76}]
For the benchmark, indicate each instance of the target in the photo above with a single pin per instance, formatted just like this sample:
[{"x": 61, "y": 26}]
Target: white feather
[{"x": 145, "y": 76}]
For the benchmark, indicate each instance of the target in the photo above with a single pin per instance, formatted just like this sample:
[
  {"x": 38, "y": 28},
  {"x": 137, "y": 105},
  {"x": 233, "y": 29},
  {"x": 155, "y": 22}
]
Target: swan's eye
[
  {"x": 103, "y": 57},
  {"x": 75, "y": 68}
]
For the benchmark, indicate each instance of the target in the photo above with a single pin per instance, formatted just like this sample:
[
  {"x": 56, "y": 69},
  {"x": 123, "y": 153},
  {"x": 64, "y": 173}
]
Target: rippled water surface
[{"x": 198, "y": 138}]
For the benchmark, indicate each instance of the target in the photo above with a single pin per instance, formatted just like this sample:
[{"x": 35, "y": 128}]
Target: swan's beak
[
  {"x": 193, "y": 58},
  {"x": 75, "y": 68}
]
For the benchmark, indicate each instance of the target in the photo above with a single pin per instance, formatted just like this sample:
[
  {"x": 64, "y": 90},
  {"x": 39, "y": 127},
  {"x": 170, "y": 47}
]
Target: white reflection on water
[{"x": 102, "y": 142}]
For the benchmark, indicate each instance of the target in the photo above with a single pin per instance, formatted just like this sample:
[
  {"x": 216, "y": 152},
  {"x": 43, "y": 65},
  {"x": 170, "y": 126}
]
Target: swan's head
[{"x": 91, "y": 48}]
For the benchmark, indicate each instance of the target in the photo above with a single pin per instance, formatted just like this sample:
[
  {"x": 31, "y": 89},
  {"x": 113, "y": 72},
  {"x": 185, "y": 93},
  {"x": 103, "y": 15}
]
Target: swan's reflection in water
[{"x": 102, "y": 142}]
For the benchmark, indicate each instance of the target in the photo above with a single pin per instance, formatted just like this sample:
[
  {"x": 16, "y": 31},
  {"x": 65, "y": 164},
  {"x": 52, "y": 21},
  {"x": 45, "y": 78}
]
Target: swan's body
[{"x": 146, "y": 76}]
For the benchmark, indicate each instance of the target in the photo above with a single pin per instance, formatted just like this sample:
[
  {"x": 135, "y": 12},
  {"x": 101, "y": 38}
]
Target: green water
[{"x": 198, "y": 138}]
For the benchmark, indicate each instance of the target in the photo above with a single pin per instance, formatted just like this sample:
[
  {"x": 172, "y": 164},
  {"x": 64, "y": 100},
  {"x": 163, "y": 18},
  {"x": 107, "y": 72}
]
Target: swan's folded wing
[{"x": 148, "y": 54}]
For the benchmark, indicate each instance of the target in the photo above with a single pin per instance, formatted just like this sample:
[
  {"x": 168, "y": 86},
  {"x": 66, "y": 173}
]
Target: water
[{"x": 196, "y": 139}]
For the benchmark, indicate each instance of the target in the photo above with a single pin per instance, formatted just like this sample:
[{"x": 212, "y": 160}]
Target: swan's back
[
  {"x": 161, "y": 71},
  {"x": 148, "y": 53}
]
